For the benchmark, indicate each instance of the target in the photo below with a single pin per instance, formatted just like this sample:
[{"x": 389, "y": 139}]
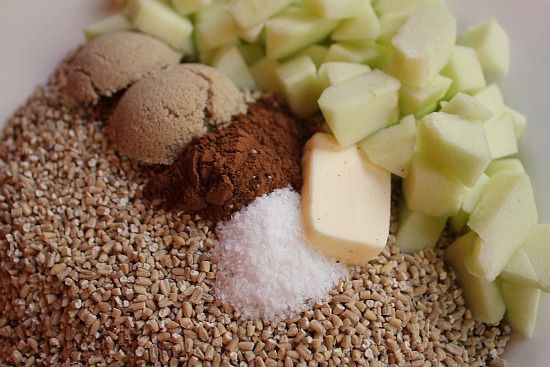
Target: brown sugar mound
[
  {"x": 114, "y": 61},
  {"x": 159, "y": 115},
  {"x": 221, "y": 172}
]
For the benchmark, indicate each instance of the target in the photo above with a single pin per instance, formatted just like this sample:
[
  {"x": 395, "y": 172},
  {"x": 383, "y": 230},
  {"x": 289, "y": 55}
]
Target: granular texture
[
  {"x": 266, "y": 267},
  {"x": 222, "y": 171},
  {"x": 114, "y": 61},
  {"x": 159, "y": 115},
  {"x": 91, "y": 275}
]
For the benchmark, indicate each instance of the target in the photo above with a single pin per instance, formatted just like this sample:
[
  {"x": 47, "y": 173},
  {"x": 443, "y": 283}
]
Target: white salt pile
[{"x": 266, "y": 267}]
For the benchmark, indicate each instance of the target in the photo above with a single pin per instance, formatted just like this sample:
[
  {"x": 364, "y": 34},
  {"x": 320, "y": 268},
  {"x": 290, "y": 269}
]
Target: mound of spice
[
  {"x": 266, "y": 267},
  {"x": 221, "y": 172}
]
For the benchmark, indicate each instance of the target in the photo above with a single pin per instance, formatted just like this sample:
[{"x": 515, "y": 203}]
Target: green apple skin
[
  {"x": 522, "y": 304},
  {"x": 472, "y": 194},
  {"x": 423, "y": 45},
  {"x": 335, "y": 72},
  {"x": 482, "y": 296},
  {"x": 423, "y": 100},
  {"x": 290, "y": 31},
  {"x": 417, "y": 231},
  {"x": 360, "y": 106},
  {"x": 362, "y": 24},
  {"x": 429, "y": 190},
  {"x": 331, "y": 9},
  {"x": 467, "y": 107},
  {"x": 465, "y": 70},
  {"x": 520, "y": 270},
  {"x": 265, "y": 75},
  {"x": 112, "y": 23},
  {"x": 214, "y": 28},
  {"x": 491, "y": 44},
  {"x": 392, "y": 14},
  {"x": 300, "y": 83},
  {"x": 360, "y": 52},
  {"x": 458, "y": 146},
  {"x": 317, "y": 53},
  {"x": 229, "y": 60},
  {"x": 250, "y": 13},
  {"x": 158, "y": 20},
  {"x": 503, "y": 218}
]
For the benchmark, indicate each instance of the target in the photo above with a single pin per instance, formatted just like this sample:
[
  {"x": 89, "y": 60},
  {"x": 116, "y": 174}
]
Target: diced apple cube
[
  {"x": 345, "y": 201},
  {"x": 215, "y": 27},
  {"x": 115, "y": 22},
  {"x": 300, "y": 83},
  {"x": 362, "y": 25},
  {"x": 392, "y": 147},
  {"x": 501, "y": 136},
  {"x": 522, "y": 304},
  {"x": 491, "y": 97},
  {"x": 264, "y": 72},
  {"x": 467, "y": 107},
  {"x": 503, "y": 217},
  {"x": 430, "y": 191},
  {"x": 423, "y": 45},
  {"x": 457, "y": 223},
  {"x": 491, "y": 44},
  {"x": 465, "y": 70},
  {"x": 472, "y": 194},
  {"x": 458, "y": 146},
  {"x": 417, "y": 231},
  {"x": 186, "y": 7},
  {"x": 251, "y": 52},
  {"x": 403, "y": 7},
  {"x": 333, "y": 9},
  {"x": 392, "y": 14},
  {"x": 254, "y": 34},
  {"x": 519, "y": 120},
  {"x": 511, "y": 164},
  {"x": 292, "y": 30},
  {"x": 250, "y": 13},
  {"x": 317, "y": 53},
  {"x": 158, "y": 20},
  {"x": 230, "y": 62},
  {"x": 335, "y": 72},
  {"x": 389, "y": 25},
  {"x": 537, "y": 247},
  {"x": 423, "y": 100},
  {"x": 361, "y": 52},
  {"x": 482, "y": 296},
  {"x": 359, "y": 106},
  {"x": 519, "y": 270}
]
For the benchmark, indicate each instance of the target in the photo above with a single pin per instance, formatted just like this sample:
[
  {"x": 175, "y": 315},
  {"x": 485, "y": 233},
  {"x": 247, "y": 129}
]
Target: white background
[{"x": 35, "y": 35}]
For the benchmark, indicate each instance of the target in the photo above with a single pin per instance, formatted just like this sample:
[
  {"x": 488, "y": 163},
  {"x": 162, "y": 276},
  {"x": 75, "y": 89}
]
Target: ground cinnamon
[{"x": 221, "y": 172}]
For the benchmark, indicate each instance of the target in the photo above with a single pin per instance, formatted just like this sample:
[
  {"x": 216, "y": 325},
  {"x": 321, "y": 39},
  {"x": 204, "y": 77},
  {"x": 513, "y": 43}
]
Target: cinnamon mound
[
  {"x": 221, "y": 172},
  {"x": 113, "y": 61}
]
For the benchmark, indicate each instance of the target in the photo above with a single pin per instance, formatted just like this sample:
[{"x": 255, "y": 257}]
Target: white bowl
[{"x": 35, "y": 36}]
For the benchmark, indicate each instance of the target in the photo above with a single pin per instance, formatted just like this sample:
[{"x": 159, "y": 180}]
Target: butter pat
[{"x": 345, "y": 201}]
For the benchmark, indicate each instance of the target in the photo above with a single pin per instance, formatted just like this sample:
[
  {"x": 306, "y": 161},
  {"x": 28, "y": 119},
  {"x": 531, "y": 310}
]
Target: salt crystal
[{"x": 266, "y": 267}]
